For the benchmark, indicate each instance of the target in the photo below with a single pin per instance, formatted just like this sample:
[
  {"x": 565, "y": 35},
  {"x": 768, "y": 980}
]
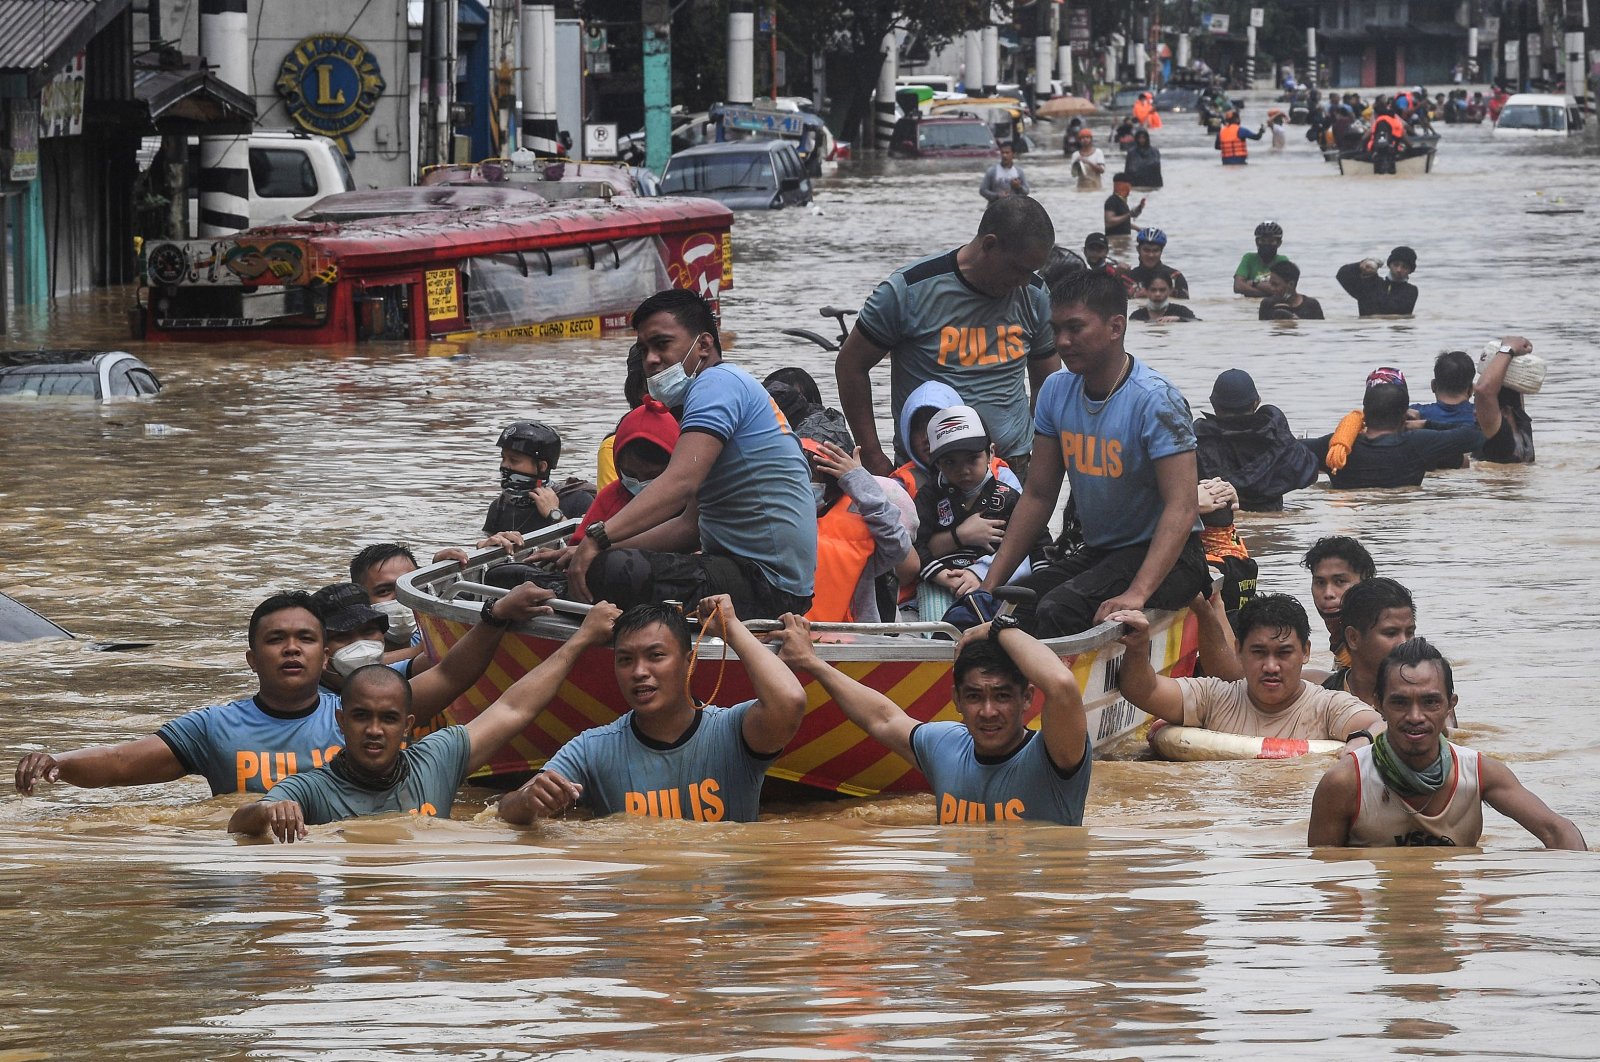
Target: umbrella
[{"x": 1064, "y": 105}]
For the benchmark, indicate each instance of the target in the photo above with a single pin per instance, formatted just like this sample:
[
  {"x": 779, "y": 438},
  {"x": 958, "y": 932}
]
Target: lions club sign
[{"x": 330, "y": 85}]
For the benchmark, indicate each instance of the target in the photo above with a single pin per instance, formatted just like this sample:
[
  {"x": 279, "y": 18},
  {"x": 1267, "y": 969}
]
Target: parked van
[
  {"x": 753, "y": 174},
  {"x": 289, "y": 171},
  {"x": 1539, "y": 114}
]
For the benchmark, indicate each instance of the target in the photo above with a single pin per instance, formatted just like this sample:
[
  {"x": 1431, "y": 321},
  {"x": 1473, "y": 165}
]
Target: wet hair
[
  {"x": 377, "y": 553},
  {"x": 1413, "y": 653},
  {"x": 634, "y": 387},
  {"x": 1099, "y": 291},
  {"x": 687, "y": 308},
  {"x": 1366, "y": 601},
  {"x": 1344, "y": 548},
  {"x": 986, "y": 656},
  {"x": 1453, "y": 372},
  {"x": 377, "y": 675},
  {"x": 1384, "y": 406},
  {"x": 1285, "y": 270},
  {"x": 798, "y": 379},
  {"x": 282, "y": 601},
  {"x": 1274, "y": 612},
  {"x": 639, "y": 617},
  {"x": 1020, "y": 223},
  {"x": 1123, "y": 177}
]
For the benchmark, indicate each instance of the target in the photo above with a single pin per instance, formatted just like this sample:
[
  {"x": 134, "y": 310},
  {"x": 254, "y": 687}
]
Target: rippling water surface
[{"x": 1186, "y": 920}]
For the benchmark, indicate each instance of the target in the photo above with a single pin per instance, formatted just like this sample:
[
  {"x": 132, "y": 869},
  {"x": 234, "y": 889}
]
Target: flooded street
[{"x": 1186, "y": 920}]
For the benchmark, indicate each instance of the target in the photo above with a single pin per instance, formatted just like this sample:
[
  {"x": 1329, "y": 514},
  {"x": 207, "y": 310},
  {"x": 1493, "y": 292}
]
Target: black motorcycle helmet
[{"x": 538, "y": 441}]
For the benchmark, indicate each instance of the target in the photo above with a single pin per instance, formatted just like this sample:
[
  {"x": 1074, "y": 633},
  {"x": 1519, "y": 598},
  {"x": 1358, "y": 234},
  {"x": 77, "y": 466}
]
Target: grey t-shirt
[
  {"x": 938, "y": 327},
  {"x": 708, "y": 775},
  {"x": 438, "y": 767},
  {"x": 1025, "y": 785}
]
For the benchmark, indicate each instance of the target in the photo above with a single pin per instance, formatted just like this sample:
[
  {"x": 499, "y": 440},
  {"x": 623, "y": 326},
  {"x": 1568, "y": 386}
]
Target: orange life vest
[
  {"x": 1233, "y": 146},
  {"x": 906, "y": 476},
  {"x": 1397, "y": 129},
  {"x": 1141, "y": 111},
  {"x": 844, "y": 546}
]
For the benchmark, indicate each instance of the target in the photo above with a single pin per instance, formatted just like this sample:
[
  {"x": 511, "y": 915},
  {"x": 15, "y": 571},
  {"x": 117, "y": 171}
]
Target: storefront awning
[
  {"x": 42, "y": 36},
  {"x": 184, "y": 97}
]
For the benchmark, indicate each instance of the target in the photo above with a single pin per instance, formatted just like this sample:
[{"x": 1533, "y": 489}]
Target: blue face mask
[
  {"x": 631, "y": 485},
  {"x": 671, "y": 385}
]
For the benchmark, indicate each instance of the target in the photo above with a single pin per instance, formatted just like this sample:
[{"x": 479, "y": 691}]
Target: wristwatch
[
  {"x": 1360, "y": 733},
  {"x": 597, "y": 531},
  {"x": 488, "y": 616},
  {"x": 1002, "y": 623},
  {"x": 555, "y": 516}
]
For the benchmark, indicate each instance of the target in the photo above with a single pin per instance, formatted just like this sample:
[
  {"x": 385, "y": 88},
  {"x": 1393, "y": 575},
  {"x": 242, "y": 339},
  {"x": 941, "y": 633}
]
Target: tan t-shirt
[{"x": 1317, "y": 714}]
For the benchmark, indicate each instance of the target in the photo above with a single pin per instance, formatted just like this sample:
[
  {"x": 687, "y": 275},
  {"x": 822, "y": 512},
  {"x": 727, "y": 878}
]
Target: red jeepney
[{"x": 549, "y": 270}]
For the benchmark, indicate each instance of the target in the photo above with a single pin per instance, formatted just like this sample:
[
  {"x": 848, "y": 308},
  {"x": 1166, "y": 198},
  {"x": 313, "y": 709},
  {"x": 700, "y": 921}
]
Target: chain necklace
[{"x": 1093, "y": 406}]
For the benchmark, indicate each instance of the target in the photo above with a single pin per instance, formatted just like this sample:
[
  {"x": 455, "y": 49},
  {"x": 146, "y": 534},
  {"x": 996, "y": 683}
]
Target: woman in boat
[{"x": 1142, "y": 163}]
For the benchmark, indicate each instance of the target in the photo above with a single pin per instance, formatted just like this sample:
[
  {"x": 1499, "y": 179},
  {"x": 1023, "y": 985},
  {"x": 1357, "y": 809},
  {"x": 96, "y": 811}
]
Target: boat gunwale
[{"x": 889, "y": 641}]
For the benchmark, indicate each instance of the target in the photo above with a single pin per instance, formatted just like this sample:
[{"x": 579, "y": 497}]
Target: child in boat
[
  {"x": 644, "y": 441},
  {"x": 964, "y": 511},
  {"x": 528, "y": 502}
]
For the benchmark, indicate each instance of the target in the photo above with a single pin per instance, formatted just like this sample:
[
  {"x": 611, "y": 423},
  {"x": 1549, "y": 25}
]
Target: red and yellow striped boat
[{"x": 829, "y": 752}]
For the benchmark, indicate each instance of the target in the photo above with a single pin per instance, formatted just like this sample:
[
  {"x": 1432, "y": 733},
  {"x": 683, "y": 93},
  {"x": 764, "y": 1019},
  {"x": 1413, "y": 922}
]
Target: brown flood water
[{"x": 1187, "y": 920}]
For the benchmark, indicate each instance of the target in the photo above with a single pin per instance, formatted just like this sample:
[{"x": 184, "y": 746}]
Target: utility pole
[{"x": 657, "y": 18}]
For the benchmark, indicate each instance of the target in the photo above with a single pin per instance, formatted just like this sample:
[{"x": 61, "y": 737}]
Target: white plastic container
[{"x": 1525, "y": 373}]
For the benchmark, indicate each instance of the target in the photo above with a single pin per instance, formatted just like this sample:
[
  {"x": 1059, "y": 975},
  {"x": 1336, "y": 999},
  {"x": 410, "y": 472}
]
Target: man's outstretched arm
[{"x": 143, "y": 761}]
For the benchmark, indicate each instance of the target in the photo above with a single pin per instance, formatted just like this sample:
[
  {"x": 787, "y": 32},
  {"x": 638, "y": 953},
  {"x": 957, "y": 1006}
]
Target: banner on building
[
  {"x": 22, "y": 140},
  {"x": 1078, "y": 26},
  {"x": 61, "y": 102}
]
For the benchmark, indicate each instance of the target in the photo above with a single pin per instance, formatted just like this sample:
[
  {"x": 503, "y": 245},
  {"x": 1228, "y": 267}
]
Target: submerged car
[
  {"x": 96, "y": 374},
  {"x": 751, "y": 174},
  {"x": 943, "y": 138},
  {"x": 1539, "y": 114}
]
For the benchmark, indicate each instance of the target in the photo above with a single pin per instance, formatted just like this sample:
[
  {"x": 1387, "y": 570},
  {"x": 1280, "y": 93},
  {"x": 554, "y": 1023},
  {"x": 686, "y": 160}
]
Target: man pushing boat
[
  {"x": 667, "y": 756},
  {"x": 289, "y": 724},
  {"x": 989, "y": 767}
]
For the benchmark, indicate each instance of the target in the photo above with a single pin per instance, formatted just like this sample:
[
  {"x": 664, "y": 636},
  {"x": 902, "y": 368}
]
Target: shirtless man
[{"x": 1413, "y": 787}]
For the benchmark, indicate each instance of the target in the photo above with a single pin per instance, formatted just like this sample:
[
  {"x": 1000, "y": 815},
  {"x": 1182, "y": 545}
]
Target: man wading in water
[
  {"x": 379, "y": 773},
  {"x": 989, "y": 767},
  {"x": 1412, "y": 787}
]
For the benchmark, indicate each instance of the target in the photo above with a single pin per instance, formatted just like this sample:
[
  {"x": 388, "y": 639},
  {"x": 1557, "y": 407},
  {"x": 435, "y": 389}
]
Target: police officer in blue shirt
[{"x": 989, "y": 767}]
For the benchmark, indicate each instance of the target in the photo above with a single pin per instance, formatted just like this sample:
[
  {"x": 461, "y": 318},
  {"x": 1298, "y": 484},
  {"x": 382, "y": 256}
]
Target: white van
[
  {"x": 1539, "y": 114},
  {"x": 289, "y": 170}
]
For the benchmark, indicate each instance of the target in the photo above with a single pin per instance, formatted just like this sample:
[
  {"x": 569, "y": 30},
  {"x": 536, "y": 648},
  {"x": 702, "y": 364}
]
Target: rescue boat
[{"x": 907, "y": 662}]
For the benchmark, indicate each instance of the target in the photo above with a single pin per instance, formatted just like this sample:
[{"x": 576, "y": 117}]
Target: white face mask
[
  {"x": 402, "y": 622},
  {"x": 819, "y": 494},
  {"x": 1158, "y": 308},
  {"x": 357, "y": 655},
  {"x": 671, "y": 385}
]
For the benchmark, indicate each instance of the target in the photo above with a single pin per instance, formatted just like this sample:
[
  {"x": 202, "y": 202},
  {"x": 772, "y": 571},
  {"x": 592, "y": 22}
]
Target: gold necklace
[{"x": 1094, "y": 406}]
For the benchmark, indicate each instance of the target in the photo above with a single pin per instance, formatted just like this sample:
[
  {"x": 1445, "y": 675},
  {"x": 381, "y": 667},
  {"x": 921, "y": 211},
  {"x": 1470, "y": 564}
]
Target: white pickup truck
[{"x": 289, "y": 171}]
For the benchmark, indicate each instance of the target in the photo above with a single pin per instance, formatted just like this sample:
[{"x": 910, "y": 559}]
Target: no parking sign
[{"x": 600, "y": 140}]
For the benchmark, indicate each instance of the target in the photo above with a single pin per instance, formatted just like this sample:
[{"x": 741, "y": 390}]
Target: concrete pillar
[
  {"x": 991, "y": 58},
  {"x": 1250, "y": 57},
  {"x": 224, "y": 160},
  {"x": 972, "y": 52},
  {"x": 741, "y": 53},
  {"x": 1512, "y": 67},
  {"x": 537, "y": 33},
  {"x": 1577, "y": 82},
  {"x": 1311, "y": 57},
  {"x": 887, "y": 72},
  {"x": 1064, "y": 64},
  {"x": 32, "y": 275},
  {"x": 657, "y": 70},
  {"x": 1180, "y": 61},
  {"x": 1042, "y": 48}
]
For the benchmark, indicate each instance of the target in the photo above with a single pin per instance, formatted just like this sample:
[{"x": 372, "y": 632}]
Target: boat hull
[
  {"x": 1409, "y": 166},
  {"x": 829, "y": 752}
]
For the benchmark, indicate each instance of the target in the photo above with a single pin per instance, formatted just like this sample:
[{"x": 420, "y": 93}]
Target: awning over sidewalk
[
  {"x": 42, "y": 36},
  {"x": 185, "y": 97}
]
